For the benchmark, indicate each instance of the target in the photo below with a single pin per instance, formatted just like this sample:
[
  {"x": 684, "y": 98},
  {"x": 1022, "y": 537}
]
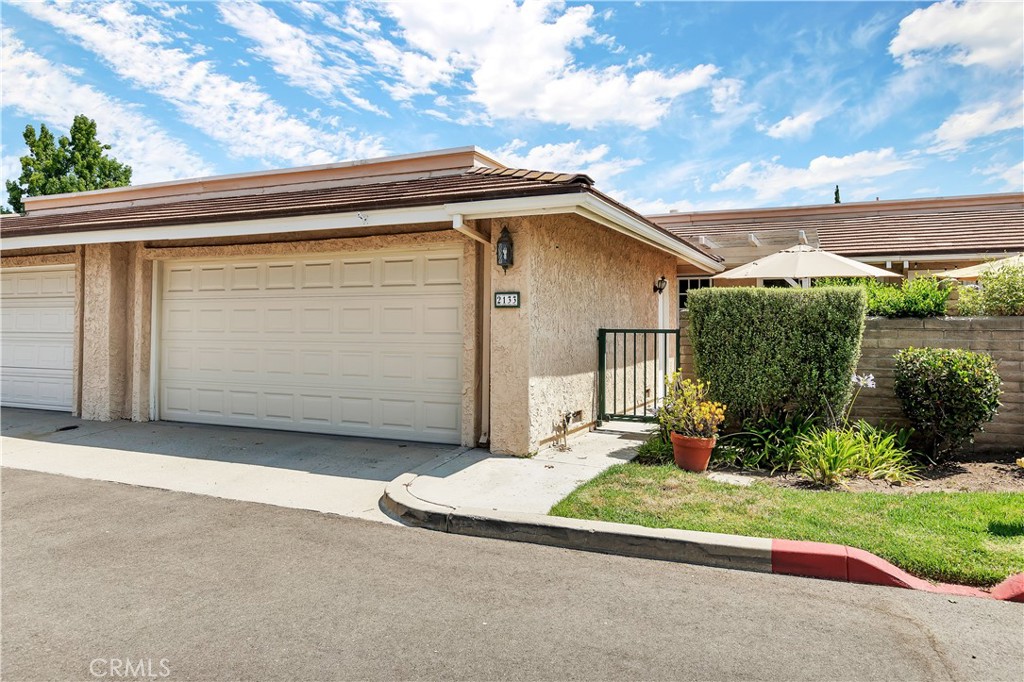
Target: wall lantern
[
  {"x": 660, "y": 285},
  {"x": 505, "y": 249}
]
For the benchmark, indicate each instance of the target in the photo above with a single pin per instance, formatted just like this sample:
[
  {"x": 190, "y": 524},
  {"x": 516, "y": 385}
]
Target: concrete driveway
[{"x": 333, "y": 474}]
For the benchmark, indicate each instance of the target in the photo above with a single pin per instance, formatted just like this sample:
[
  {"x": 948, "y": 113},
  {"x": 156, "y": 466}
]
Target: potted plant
[{"x": 691, "y": 420}]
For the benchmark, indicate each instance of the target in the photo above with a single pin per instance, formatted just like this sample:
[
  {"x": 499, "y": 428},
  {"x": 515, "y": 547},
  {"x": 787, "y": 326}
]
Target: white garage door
[
  {"x": 365, "y": 344},
  {"x": 37, "y": 336}
]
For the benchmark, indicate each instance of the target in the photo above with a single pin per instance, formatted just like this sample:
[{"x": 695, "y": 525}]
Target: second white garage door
[
  {"x": 37, "y": 336},
  {"x": 363, "y": 344}
]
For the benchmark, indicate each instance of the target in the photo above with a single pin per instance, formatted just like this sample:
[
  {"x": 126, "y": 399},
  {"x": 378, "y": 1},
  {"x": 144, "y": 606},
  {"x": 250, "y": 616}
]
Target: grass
[{"x": 970, "y": 538}]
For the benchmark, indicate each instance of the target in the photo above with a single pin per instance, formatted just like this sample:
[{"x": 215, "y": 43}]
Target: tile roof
[
  {"x": 474, "y": 185},
  {"x": 930, "y": 230}
]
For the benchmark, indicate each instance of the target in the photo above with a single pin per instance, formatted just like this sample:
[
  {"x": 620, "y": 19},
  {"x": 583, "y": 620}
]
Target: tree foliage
[{"x": 73, "y": 163}]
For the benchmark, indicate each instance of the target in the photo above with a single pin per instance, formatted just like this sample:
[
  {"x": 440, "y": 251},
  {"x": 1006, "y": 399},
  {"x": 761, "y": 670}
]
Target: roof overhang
[
  {"x": 584, "y": 204},
  {"x": 937, "y": 257}
]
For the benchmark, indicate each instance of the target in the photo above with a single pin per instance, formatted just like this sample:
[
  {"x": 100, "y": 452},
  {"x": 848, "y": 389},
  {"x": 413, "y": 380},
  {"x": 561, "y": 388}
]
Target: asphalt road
[{"x": 211, "y": 589}]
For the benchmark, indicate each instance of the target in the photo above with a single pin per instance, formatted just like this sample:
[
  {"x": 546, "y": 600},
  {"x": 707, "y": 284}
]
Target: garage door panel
[
  {"x": 37, "y": 323},
  {"x": 409, "y": 271},
  {"x": 414, "y": 415},
  {"x": 322, "y": 364},
  {"x": 36, "y": 353},
  {"x": 363, "y": 345},
  {"x": 24, "y": 283},
  {"x": 38, "y": 389}
]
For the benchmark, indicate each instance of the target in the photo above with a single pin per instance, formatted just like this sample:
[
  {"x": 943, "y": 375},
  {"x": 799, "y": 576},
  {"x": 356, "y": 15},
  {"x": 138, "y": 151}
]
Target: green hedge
[
  {"x": 777, "y": 351},
  {"x": 918, "y": 297}
]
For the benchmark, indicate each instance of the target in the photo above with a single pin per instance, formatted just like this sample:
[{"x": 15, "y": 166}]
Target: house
[
  {"x": 907, "y": 236},
  {"x": 360, "y": 298}
]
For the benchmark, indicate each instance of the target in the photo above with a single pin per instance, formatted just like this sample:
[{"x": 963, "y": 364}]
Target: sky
[{"x": 668, "y": 105}]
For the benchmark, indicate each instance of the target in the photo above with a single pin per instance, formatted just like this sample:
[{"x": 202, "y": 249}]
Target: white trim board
[{"x": 586, "y": 205}]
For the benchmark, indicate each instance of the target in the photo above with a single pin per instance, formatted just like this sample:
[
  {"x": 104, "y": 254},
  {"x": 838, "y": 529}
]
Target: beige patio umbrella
[
  {"x": 973, "y": 271},
  {"x": 799, "y": 264}
]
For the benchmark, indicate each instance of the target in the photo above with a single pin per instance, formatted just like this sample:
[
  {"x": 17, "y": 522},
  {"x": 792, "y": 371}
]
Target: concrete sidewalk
[{"x": 480, "y": 480}]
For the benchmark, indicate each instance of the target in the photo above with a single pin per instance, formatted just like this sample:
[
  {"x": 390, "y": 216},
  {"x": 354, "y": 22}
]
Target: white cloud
[
  {"x": 1012, "y": 176},
  {"x": 770, "y": 180},
  {"x": 799, "y": 126},
  {"x": 900, "y": 92},
  {"x": 37, "y": 88},
  {"x": 303, "y": 59},
  {"x": 517, "y": 61},
  {"x": 957, "y": 131},
  {"x": 967, "y": 33},
  {"x": 726, "y": 94},
  {"x": 867, "y": 32},
  {"x": 237, "y": 114},
  {"x": 567, "y": 157}
]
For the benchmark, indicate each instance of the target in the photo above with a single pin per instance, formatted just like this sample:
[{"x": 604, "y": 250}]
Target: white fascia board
[
  {"x": 584, "y": 204},
  {"x": 591, "y": 207},
  {"x": 516, "y": 206},
  {"x": 334, "y": 221},
  {"x": 933, "y": 257}
]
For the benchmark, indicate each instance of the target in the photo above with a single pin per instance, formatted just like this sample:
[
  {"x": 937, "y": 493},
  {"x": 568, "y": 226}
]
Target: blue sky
[{"x": 668, "y": 105}]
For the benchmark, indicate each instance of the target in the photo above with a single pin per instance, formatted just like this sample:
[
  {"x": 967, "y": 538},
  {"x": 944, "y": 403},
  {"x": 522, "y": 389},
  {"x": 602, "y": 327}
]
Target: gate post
[{"x": 601, "y": 364}]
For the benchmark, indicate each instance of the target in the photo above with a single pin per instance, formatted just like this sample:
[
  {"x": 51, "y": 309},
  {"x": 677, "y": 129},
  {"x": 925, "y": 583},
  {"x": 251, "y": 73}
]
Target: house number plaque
[{"x": 506, "y": 299}]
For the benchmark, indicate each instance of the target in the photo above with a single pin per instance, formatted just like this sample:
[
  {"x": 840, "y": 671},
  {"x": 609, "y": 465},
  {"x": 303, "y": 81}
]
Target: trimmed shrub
[
  {"x": 1000, "y": 292},
  {"x": 771, "y": 352},
  {"x": 947, "y": 394},
  {"x": 918, "y": 297}
]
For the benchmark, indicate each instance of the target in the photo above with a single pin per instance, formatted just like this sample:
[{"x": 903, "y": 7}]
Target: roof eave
[{"x": 577, "y": 200}]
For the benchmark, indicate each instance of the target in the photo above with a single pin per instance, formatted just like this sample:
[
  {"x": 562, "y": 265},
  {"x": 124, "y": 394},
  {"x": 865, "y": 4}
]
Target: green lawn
[{"x": 965, "y": 538}]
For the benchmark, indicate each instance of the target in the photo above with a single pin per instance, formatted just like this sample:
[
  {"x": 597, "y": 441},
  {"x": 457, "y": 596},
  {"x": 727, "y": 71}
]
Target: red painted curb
[
  {"x": 1011, "y": 589},
  {"x": 849, "y": 564}
]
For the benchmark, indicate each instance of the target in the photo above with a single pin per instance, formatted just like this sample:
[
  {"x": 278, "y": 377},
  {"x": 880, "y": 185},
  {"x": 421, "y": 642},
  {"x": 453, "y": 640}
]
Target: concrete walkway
[
  {"x": 480, "y": 480},
  {"x": 331, "y": 474}
]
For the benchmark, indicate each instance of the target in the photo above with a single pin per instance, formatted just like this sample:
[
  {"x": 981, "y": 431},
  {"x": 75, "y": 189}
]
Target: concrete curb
[
  {"x": 787, "y": 557},
  {"x": 694, "y": 547}
]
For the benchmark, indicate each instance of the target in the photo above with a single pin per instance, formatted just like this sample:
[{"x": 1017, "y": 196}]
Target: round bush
[{"x": 947, "y": 394}]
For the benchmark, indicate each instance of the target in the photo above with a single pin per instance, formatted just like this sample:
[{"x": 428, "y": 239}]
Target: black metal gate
[{"x": 632, "y": 366}]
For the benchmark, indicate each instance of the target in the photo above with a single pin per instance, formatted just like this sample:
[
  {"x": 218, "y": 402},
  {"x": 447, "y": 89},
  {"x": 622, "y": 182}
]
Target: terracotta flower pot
[{"x": 692, "y": 454}]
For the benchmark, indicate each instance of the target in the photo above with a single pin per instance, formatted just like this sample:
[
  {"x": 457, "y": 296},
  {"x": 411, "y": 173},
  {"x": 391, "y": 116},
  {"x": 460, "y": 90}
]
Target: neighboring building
[
  {"x": 354, "y": 298},
  {"x": 908, "y": 236}
]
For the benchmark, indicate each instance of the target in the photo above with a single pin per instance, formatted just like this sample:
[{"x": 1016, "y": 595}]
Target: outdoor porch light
[
  {"x": 505, "y": 249},
  {"x": 660, "y": 285}
]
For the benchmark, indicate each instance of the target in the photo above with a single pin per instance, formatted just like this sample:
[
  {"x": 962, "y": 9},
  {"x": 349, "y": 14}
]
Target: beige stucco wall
[
  {"x": 575, "y": 277},
  {"x": 105, "y": 322}
]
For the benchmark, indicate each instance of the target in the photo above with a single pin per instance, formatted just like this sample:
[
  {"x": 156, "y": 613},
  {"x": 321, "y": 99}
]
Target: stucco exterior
[
  {"x": 574, "y": 276},
  {"x": 105, "y": 323}
]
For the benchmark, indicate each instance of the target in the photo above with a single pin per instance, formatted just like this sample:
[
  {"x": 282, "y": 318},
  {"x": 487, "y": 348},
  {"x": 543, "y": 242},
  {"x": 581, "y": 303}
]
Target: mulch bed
[{"x": 995, "y": 473}]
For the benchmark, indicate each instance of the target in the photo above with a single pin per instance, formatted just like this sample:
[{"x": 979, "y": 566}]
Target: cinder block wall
[{"x": 1002, "y": 337}]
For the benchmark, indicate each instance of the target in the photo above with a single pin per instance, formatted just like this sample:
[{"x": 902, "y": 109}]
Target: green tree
[
  {"x": 70, "y": 164},
  {"x": 837, "y": 200}
]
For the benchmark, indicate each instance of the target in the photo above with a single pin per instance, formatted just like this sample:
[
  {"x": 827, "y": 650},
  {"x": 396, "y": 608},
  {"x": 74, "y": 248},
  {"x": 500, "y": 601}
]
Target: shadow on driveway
[{"x": 335, "y": 474}]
